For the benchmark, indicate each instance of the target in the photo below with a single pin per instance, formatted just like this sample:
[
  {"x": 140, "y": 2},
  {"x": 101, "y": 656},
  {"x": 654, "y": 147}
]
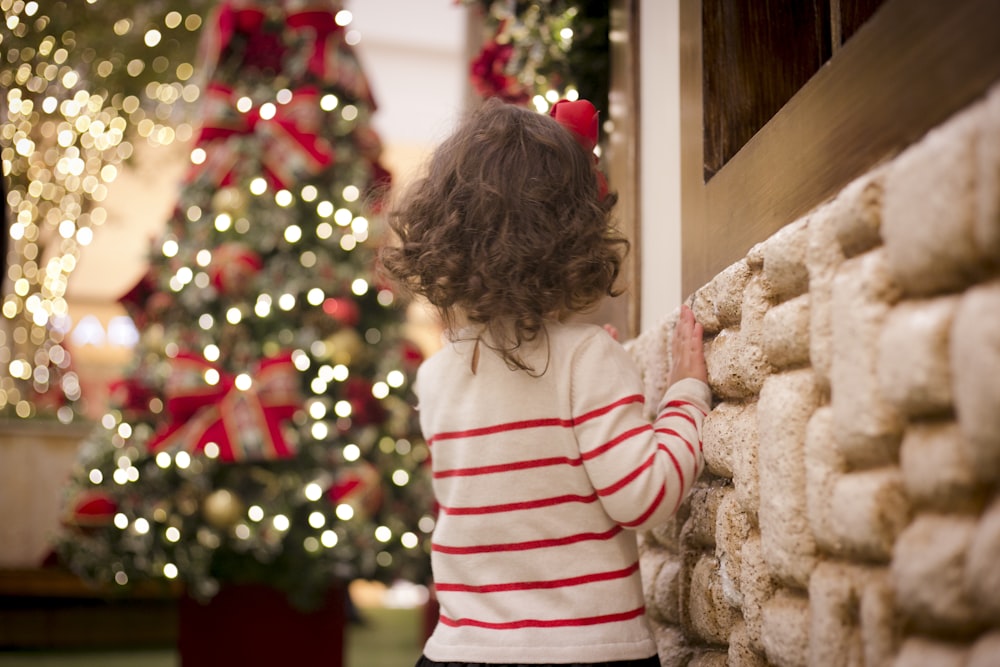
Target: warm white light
[
  {"x": 170, "y": 571},
  {"x": 172, "y": 534},
  {"x": 121, "y": 521},
  {"x": 281, "y": 522},
  {"x": 313, "y": 491},
  {"x": 163, "y": 460},
  {"x": 342, "y": 408},
  {"x": 182, "y": 460},
  {"x": 409, "y": 540},
  {"x": 383, "y": 534},
  {"x": 243, "y": 382},
  {"x": 380, "y": 390},
  {"x": 141, "y": 526},
  {"x": 328, "y": 538},
  {"x": 317, "y": 519},
  {"x": 352, "y": 452},
  {"x": 345, "y": 512},
  {"x": 359, "y": 286},
  {"x": 400, "y": 478},
  {"x": 395, "y": 379},
  {"x": 255, "y": 513}
]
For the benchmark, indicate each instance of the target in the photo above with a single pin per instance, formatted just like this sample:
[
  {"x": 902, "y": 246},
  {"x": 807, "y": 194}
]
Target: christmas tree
[{"x": 264, "y": 431}]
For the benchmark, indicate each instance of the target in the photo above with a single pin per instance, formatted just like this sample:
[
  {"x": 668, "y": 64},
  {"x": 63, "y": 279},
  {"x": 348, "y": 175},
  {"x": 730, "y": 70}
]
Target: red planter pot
[{"x": 249, "y": 625}]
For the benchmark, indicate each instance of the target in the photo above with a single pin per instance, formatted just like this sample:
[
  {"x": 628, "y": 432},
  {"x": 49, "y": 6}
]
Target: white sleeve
[{"x": 641, "y": 471}]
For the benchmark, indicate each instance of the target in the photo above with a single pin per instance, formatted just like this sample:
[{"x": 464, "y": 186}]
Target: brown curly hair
[{"x": 506, "y": 228}]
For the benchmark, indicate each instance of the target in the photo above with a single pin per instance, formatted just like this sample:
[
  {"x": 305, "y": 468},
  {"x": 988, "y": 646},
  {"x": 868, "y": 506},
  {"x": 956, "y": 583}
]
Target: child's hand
[
  {"x": 612, "y": 331},
  {"x": 687, "y": 351}
]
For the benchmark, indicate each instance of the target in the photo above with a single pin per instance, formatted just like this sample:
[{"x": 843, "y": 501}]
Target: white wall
[{"x": 660, "y": 205}]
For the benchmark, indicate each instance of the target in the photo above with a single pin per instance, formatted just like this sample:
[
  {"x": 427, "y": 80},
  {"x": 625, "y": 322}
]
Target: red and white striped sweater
[{"x": 538, "y": 480}]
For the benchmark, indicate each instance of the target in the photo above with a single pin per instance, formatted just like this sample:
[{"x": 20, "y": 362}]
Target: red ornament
[
  {"x": 233, "y": 266},
  {"x": 359, "y": 486},
  {"x": 344, "y": 311},
  {"x": 489, "y": 73},
  {"x": 92, "y": 510}
]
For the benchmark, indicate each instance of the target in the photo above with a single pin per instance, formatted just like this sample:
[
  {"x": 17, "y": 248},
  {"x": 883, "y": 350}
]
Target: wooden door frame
[{"x": 913, "y": 65}]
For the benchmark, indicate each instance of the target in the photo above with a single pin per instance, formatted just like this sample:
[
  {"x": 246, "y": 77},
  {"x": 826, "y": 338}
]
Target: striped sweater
[{"x": 540, "y": 483}]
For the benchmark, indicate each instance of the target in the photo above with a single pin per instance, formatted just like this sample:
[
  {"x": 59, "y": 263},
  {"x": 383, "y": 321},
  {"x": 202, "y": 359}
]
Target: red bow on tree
[
  {"x": 291, "y": 145},
  {"x": 582, "y": 119},
  {"x": 244, "y": 423}
]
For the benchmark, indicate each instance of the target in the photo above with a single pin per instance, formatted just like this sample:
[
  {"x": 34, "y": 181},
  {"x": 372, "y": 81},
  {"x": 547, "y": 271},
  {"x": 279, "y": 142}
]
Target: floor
[{"x": 387, "y": 637}]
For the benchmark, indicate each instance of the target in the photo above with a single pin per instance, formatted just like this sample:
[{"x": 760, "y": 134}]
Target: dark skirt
[{"x": 645, "y": 662}]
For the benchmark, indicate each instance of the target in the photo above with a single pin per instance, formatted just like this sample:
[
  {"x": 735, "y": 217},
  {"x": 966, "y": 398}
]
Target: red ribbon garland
[
  {"x": 245, "y": 424},
  {"x": 291, "y": 145}
]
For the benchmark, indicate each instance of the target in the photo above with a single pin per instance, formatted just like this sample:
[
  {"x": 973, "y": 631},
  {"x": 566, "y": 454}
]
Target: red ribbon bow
[
  {"x": 245, "y": 424},
  {"x": 291, "y": 145},
  {"x": 582, "y": 119}
]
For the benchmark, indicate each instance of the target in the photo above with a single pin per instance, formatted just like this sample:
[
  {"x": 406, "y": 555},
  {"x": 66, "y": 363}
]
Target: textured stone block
[
  {"x": 668, "y": 534},
  {"x": 651, "y": 560},
  {"x": 746, "y": 478},
  {"x": 878, "y": 617},
  {"x": 651, "y": 352},
  {"x": 987, "y": 223},
  {"x": 982, "y": 574},
  {"x": 728, "y": 430},
  {"x": 786, "y": 333},
  {"x": 914, "y": 368},
  {"x": 785, "y": 629},
  {"x": 784, "y": 261},
  {"x": 834, "y": 633},
  {"x": 671, "y": 645},
  {"x": 756, "y": 303},
  {"x": 709, "y": 658},
  {"x": 985, "y": 651},
  {"x": 936, "y": 470},
  {"x": 756, "y": 587},
  {"x": 666, "y": 588},
  {"x": 929, "y": 210},
  {"x": 923, "y": 652},
  {"x": 824, "y": 466},
  {"x": 699, "y": 529},
  {"x": 856, "y": 214},
  {"x": 823, "y": 257},
  {"x": 868, "y": 510},
  {"x": 741, "y": 649},
  {"x": 975, "y": 364},
  {"x": 787, "y": 401},
  {"x": 719, "y": 304},
  {"x": 711, "y": 617},
  {"x": 928, "y": 573},
  {"x": 737, "y": 367},
  {"x": 866, "y": 426},
  {"x": 732, "y": 528}
]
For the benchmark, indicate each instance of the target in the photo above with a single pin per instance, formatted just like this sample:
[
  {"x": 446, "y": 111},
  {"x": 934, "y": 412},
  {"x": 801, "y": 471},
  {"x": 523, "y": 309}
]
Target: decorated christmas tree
[{"x": 264, "y": 431}]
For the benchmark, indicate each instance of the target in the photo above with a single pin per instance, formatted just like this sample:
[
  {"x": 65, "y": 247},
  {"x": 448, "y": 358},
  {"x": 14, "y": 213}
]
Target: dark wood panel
[
  {"x": 907, "y": 70},
  {"x": 850, "y": 15},
  {"x": 757, "y": 54}
]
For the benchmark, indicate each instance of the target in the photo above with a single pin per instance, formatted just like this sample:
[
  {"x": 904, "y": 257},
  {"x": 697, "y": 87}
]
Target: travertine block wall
[{"x": 849, "y": 513}]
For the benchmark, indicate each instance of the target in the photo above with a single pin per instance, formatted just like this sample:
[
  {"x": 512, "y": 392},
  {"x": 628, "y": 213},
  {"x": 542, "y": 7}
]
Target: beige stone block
[
  {"x": 834, "y": 633},
  {"x": 786, "y": 333},
  {"x": 982, "y": 574},
  {"x": 746, "y": 478},
  {"x": 929, "y": 210},
  {"x": 666, "y": 591},
  {"x": 736, "y": 366},
  {"x": 709, "y": 658},
  {"x": 823, "y": 257},
  {"x": 986, "y": 651},
  {"x": 756, "y": 302},
  {"x": 727, "y": 432},
  {"x": 671, "y": 645},
  {"x": 732, "y": 528},
  {"x": 824, "y": 466},
  {"x": 975, "y": 364},
  {"x": 651, "y": 352},
  {"x": 936, "y": 470},
  {"x": 756, "y": 587},
  {"x": 856, "y": 214},
  {"x": 668, "y": 534},
  {"x": 878, "y": 617},
  {"x": 719, "y": 303},
  {"x": 699, "y": 529},
  {"x": 928, "y": 573},
  {"x": 925, "y": 652},
  {"x": 741, "y": 648},
  {"x": 914, "y": 368},
  {"x": 785, "y": 629},
  {"x": 651, "y": 560},
  {"x": 866, "y": 426},
  {"x": 711, "y": 617},
  {"x": 784, "y": 261},
  {"x": 987, "y": 222},
  {"x": 787, "y": 401},
  {"x": 868, "y": 511}
]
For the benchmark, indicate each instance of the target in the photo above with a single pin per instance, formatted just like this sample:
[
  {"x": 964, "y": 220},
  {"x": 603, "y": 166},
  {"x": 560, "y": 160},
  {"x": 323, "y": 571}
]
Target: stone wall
[{"x": 849, "y": 513}]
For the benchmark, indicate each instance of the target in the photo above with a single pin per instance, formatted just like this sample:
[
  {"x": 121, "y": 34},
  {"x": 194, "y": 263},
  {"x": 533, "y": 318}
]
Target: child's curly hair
[{"x": 507, "y": 228}]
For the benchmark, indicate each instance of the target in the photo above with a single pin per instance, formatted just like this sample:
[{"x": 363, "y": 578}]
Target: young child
[{"x": 543, "y": 463}]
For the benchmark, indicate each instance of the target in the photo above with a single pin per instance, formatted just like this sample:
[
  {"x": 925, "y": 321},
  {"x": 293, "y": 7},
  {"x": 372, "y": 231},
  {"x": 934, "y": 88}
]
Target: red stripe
[
  {"x": 524, "y": 546},
  {"x": 608, "y": 490},
  {"x": 684, "y": 404},
  {"x": 668, "y": 412},
  {"x": 535, "y": 423},
  {"x": 649, "y": 511},
  {"x": 507, "y": 467},
  {"x": 525, "y": 505},
  {"x": 535, "y": 585},
  {"x": 608, "y": 445},
  {"x": 545, "y": 623},
  {"x": 670, "y": 431}
]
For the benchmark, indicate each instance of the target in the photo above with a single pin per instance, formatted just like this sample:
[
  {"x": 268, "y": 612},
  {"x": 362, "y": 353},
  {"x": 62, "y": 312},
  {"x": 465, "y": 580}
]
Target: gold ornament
[{"x": 222, "y": 508}]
